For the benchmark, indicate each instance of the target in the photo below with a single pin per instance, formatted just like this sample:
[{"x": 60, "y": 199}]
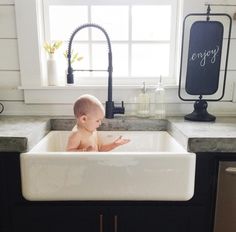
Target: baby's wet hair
[{"x": 86, "y": 104}]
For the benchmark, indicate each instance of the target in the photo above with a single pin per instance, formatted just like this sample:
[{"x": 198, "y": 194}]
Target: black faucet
[{"x": 111, "y": 109}]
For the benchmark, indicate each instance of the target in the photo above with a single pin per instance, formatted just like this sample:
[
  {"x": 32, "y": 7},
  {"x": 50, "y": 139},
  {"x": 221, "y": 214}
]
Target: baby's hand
[{"x": 121, "y": 141}]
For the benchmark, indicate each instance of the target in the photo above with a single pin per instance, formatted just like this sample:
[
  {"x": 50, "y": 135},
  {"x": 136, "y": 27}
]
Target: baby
[{"x": 89, "y": 113}]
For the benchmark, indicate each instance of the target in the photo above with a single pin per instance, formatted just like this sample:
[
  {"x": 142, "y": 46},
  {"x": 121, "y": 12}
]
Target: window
[{"x": 142, "y": 34}]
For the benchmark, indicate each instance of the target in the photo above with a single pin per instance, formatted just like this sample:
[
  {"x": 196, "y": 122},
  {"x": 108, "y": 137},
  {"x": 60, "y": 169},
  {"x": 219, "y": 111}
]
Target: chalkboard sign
[{"x": 204, "y": 57}]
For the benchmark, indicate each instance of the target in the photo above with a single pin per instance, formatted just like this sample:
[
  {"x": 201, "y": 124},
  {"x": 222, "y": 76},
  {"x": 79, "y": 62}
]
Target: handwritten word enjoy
[{"x": 204, "y": 55}]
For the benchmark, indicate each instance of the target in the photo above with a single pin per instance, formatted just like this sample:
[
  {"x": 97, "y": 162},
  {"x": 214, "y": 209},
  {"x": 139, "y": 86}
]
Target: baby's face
[{"x": 94, "y": 120}]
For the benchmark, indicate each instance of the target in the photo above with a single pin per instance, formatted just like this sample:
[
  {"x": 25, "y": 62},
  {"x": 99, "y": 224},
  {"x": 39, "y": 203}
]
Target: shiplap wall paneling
[
  {"x": 7, "y": 2},
  {"x": 173, "y": 109},
  {"x": 230, "y": 10},
  {"x": 9, "y": 62},
  {"x": 8, "y": 55},
  {"x": 231, "y": 57},
  {"x": 10, "y": 80},
  {"x": 7, "y": 22}
]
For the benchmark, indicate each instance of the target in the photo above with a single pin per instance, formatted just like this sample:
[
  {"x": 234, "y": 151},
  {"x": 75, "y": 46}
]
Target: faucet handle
[
  {"x": 111, "y": 109},
  {"x": 122, "y": 104},
  {"x": 119, "y": 109}
]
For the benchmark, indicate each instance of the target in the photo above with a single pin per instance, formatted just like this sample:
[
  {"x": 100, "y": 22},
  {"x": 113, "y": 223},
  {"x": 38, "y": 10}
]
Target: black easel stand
[
  {"x": 203, "y": 80},
  {"x": 200, "y": 112}
]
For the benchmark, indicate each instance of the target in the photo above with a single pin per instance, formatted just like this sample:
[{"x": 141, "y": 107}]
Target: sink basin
[{"x": 152, "y": 166}]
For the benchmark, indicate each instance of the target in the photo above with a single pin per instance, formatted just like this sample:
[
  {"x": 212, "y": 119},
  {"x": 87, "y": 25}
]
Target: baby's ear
[{"x": 83, "y": 118}]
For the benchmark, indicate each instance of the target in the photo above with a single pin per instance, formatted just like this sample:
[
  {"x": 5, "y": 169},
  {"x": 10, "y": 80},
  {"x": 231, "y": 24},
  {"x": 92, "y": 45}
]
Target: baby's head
[{"x": 89, "y": 112}]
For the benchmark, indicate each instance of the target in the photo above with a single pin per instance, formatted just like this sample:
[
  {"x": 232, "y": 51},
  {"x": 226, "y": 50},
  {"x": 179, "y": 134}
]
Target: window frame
[
  {"x": 127, "y": 79},
  {"x": 32, "y": 57}
]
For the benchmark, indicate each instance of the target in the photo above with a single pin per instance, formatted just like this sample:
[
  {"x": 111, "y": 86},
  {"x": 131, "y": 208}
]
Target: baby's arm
[{"x": 117, "y": 142}]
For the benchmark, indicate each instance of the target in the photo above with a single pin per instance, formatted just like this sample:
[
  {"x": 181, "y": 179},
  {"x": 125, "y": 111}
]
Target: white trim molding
[{"x": 30, "y": 40}]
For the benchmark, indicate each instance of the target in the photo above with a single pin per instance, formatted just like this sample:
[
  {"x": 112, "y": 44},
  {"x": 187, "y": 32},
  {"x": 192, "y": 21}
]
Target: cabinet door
[
  {"x": 1, "y": 196},
  {"x": 150, "y": 218},
  {"x": 199, "y": 220},
  {"x": 56, "y": 218},
  {"x": 226, "y": 197}
]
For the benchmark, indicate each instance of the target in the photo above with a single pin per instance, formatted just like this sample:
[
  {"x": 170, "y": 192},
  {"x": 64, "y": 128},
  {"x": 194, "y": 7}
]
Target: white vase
[{"x": 52, "y": 71}]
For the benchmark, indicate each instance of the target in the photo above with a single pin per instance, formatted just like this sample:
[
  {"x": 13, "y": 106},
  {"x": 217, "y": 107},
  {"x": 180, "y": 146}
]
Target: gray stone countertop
[
  {"x": 21, "y": 133},
  {"x": 218, "y": 136}
]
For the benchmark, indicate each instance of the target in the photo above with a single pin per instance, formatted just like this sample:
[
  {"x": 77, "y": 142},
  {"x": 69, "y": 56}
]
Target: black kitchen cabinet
[
  {"x": 149, "y": 218},
  {"x": 55, "y": 218},
  {"x": 7, "y": 161},
  {"x": 106, "y": 218},
  {"x": 197, "y": 214},
  {"x": 1, "y": 196}
]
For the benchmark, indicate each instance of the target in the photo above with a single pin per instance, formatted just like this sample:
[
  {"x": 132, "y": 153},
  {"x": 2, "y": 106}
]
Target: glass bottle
[
  {"x": 143, "y": 102},
  {"x": 160, "y": 111}
]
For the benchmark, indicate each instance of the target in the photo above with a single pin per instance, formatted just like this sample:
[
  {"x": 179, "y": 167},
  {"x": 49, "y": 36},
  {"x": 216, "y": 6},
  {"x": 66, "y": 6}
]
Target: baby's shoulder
[{"x": 75, "y": 128}]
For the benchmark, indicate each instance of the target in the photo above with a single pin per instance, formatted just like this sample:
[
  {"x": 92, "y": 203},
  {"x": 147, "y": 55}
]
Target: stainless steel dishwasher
[{"x": 225, "y": 214}]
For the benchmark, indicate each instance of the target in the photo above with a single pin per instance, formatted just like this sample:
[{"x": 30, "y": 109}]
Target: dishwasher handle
[{"x": 231, "y": 170}]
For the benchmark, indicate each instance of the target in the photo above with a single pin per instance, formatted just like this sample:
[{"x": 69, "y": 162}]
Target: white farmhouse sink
[{"x": 153, "y": 166}]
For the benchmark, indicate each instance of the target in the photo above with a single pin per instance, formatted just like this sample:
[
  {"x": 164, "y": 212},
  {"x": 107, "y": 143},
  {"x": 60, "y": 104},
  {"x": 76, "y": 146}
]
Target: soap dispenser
[
  {"x": 160, "y": 112},
  {"x": 143, "y": 102}
]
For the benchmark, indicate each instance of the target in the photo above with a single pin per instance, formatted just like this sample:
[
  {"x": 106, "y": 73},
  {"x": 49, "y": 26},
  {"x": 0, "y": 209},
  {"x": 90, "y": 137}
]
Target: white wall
[{"x": 13, "y": 98}]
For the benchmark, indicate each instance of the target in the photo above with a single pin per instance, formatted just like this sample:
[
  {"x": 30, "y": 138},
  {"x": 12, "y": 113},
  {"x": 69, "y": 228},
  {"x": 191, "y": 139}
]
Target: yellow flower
[
  {"x": 74, "y": 56},
  {"x": 52, "y": 47}
]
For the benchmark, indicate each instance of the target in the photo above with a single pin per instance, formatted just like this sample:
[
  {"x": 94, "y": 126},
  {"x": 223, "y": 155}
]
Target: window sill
[
  {"x": 84, "y": 86},
  {"x": 68, "y": 94}
]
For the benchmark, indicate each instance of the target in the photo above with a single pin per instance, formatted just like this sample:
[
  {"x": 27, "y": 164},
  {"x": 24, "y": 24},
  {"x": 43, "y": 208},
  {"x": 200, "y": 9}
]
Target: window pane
[
  {"x": 65, "y": 19},
  {"x": 150, "y": 60},
  {"x": 120, "y": 59},
  {"x": 114, "y": 19},
  {"x": 151, "y": 22}
]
